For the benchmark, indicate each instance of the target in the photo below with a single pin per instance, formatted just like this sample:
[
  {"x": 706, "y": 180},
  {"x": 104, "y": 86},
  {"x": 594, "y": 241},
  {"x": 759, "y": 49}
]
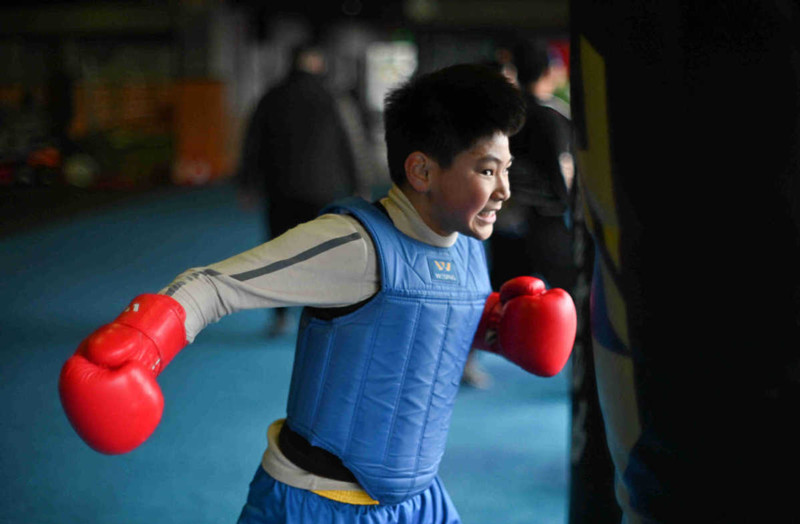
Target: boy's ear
[{"x": 418, "y": 166}]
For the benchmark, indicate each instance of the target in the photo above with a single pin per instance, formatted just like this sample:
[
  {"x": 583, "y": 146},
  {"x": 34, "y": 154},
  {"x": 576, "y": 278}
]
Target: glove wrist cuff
[
  {"x": 486, "y": 334},
  {"x": 161, "y": 319}
]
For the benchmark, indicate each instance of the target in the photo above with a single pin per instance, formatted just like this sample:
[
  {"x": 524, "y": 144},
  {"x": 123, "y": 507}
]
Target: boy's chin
[{"x": 481, "y": 234}]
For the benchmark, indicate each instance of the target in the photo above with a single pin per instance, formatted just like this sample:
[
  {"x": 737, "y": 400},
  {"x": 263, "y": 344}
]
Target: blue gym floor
[{"x": 507, "y": 459}]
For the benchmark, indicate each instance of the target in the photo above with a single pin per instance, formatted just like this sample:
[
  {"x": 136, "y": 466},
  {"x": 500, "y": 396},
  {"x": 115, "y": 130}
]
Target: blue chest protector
[{"x": 376, "y": 386}]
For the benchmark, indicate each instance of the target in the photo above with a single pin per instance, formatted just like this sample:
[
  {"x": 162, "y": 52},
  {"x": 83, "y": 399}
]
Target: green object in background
[{"x": 122, "y": 159}]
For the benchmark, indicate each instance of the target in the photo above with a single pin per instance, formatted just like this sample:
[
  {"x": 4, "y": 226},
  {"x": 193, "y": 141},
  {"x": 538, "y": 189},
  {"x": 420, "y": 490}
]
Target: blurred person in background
[
  {"x": 537, "y": 219},
  {"x": 296, "y": 154},
  {"x": 542, "y": 176}
]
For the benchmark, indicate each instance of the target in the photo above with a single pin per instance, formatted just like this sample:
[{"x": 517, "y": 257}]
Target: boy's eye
[{"x": 487, "y": 172}]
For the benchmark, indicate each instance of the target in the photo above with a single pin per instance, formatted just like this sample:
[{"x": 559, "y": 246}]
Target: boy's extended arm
[
  {"x": 529, "y": 325},
  {"x": 328, "y": 262},
  {"x": 108, "y": 388}
]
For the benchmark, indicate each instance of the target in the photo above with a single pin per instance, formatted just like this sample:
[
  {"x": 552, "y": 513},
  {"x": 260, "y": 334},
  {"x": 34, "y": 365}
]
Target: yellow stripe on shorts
[{"x": 355, "y": 497}]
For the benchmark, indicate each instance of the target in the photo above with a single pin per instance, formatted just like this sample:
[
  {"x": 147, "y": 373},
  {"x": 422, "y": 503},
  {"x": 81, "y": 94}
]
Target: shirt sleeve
[{"x": 327, "y": 262}]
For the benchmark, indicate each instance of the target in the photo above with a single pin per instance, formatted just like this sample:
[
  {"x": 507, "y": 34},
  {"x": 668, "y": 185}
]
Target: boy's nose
[{"x": 502, "y": 190}]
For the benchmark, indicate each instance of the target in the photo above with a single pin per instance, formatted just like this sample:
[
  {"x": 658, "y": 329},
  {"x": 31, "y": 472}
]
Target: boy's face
[{"x": 466, "y": 196}]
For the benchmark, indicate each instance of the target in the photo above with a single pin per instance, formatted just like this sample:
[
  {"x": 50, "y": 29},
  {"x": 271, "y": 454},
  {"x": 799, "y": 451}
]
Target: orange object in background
[
  {"x": 188, "y": 116},
  {"x": 201, "y": 131}
]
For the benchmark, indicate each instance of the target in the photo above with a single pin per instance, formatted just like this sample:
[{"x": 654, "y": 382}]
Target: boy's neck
[
  {"x": 413, "y": 205},
  {"x": 420, "y": 204}
]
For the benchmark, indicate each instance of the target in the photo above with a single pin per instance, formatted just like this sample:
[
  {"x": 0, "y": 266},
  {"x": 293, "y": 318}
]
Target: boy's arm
[
  {"x": 328, "y": 262},
  {"x": 108, "y": 387}
]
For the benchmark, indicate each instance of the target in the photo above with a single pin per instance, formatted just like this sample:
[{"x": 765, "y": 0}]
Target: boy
[{"x": 394, "y": 294}]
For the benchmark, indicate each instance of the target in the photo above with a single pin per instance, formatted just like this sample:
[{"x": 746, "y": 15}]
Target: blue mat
[{"x": 507, "y": 459}]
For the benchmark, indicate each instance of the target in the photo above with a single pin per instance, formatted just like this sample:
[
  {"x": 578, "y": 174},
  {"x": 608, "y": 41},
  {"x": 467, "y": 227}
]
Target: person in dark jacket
[
  {"x": 541, "y": 176},
  {"x": 296, "y": 155}
]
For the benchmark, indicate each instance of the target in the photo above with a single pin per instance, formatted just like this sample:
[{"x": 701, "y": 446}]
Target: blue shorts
[{"x": 273, "y": 502}]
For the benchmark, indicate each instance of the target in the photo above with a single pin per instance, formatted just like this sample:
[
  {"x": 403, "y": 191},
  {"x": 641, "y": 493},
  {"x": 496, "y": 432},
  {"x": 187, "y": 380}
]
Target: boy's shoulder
[{"x": 373, "y": 215}]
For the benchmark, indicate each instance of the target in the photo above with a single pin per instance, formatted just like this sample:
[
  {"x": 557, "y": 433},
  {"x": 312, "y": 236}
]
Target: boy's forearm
[{"x": 205, "y": 296}]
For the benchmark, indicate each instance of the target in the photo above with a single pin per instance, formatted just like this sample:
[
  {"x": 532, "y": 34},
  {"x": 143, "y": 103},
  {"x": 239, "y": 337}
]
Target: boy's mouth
[{"x": 489, "y": 215}]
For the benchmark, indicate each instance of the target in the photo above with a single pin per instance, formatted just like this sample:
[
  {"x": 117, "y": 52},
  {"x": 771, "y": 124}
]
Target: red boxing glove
[
  {"x": 529, "y": 325},
  {"x": 108, "y": 387}
]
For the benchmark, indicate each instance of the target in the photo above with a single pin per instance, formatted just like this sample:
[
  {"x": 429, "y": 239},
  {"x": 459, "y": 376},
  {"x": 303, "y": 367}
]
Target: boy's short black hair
[{"x": 446, "y": 112}]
